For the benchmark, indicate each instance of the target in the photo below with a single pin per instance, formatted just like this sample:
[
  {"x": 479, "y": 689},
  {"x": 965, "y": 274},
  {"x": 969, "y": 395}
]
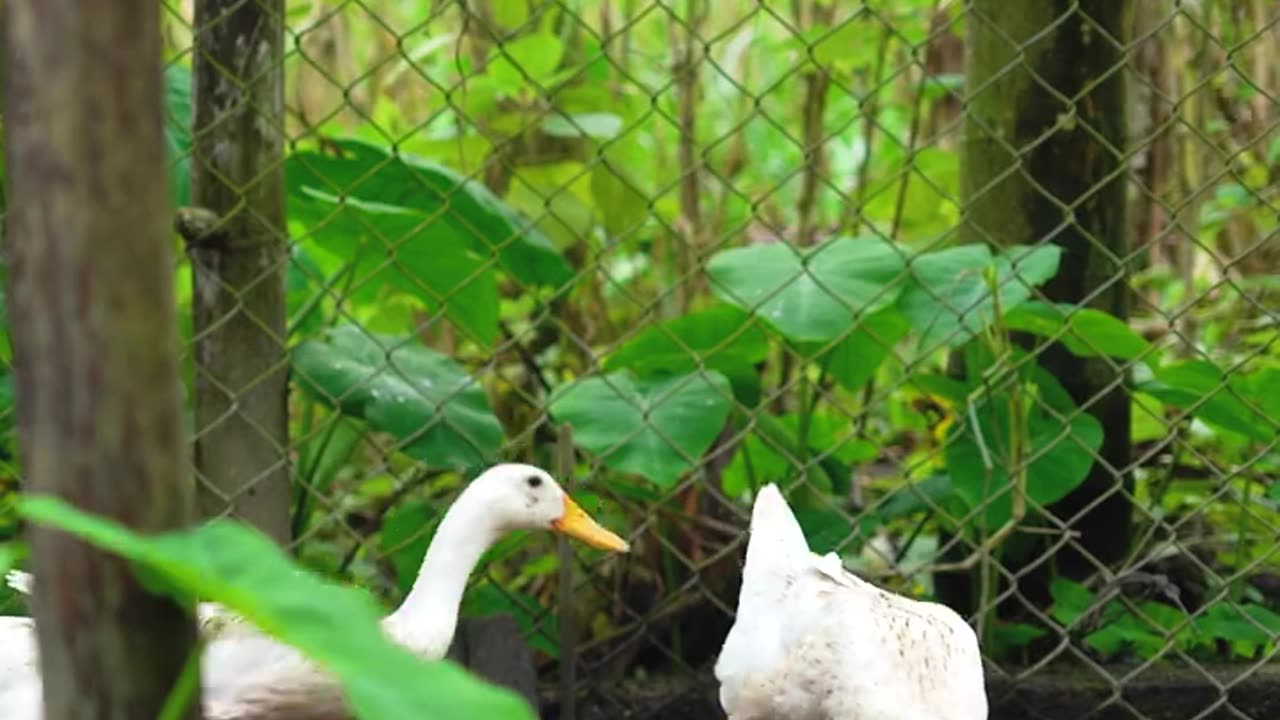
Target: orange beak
[{"x": 577, "y": 524}]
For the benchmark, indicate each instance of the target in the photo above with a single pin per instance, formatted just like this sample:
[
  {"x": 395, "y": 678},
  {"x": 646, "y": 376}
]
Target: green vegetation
[{"x": 498, "y": 226}]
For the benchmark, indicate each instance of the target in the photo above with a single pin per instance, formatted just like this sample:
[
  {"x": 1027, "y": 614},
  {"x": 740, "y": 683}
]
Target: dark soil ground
[{"x": 1158, "y": 693}]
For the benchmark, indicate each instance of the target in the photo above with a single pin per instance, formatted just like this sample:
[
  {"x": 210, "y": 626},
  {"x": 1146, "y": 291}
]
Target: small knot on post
[{"x": 200, "y": 228}]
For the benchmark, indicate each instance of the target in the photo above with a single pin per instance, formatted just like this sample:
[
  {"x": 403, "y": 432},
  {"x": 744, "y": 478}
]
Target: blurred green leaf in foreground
[{"x": 338, "y": 627}]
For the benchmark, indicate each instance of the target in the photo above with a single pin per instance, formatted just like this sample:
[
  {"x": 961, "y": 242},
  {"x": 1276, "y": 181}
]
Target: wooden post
[
  {"x": 241, "y": 366},
  {"x": 95, "y": 341},
  {"x": 494, "y": 649},
  {"x": 1030, "y": 152}
]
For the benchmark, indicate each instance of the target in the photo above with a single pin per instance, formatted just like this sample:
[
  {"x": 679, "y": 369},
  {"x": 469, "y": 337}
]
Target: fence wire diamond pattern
[{"x": 990, "y": 291}]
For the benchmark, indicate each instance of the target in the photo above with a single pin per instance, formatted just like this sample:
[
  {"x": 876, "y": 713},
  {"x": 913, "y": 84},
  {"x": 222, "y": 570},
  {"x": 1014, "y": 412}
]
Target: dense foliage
[{"x": 498, "y": 227}]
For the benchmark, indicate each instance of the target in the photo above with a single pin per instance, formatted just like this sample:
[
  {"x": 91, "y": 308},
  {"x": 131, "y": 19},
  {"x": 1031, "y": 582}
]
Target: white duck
[
  {"x": 814, "y": 642},
  {"x": 248, "y": 674}
]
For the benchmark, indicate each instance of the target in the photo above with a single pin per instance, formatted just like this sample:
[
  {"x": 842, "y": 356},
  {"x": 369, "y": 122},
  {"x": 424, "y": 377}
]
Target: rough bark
[
  {"x": 95, "y": 341},
  {"x": 1153, "y": 75},
  {"x": 241, "y": 377},
  {"x": 1043, "y": 161}
]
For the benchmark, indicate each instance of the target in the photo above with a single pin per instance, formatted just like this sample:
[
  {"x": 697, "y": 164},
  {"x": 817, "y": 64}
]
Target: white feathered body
[
  {"x": 242, "y": 674},
  {"x": 814, "y": 642},
  {"x": 232, "y": 664},
  {"x": 19, "y": 667},
  {"x": 236, "y": 658}
]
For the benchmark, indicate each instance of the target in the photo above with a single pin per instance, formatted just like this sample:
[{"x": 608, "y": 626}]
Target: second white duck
[{"x": 814, "y": 642}]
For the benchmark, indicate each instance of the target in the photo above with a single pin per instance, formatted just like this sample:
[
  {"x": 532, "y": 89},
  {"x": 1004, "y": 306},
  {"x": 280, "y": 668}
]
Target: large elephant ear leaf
[
  {"x": 438, "y": 199},
  {"x": 1061, "y": 455},
  {"x": 177, "y": 131},
  {"x": 810, "y": 295},
  {"x": 655, "y": 427},
  {"x": 431, "y": 404},
  {"x": 950, "y": 298}
]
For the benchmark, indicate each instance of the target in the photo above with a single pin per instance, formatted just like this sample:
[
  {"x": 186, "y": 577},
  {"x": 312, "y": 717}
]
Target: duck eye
[{"x": 534, "y": 481}]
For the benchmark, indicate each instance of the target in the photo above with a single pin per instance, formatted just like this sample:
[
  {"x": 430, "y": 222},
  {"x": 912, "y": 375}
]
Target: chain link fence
[{"x": 990, "y": 290}]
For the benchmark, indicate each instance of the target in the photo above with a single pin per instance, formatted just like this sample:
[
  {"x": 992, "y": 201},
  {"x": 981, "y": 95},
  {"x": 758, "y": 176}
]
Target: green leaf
[
  {"x": 392, "y": 251},
  {"x": 394, "y": 248},
  {"x": 1146, "y": 634},
  {"x": 1062, "y": 457},
  {"x": 558, "y": 195},
  {"x": 832, "y": 434},
  {"x": 482, "y": 99},
  {"x": 940, "y": 386},
  {"x": 1201, "y": 386},
  {"x": 620, "y": 192},
  {"x": 8, "y": 409},
  {"x": 338, "y": 627},
  {"x": 1261, "y": 388},
  {"x": 1086, "y": 332},
  {"x": 743, "y": 377},
  {"x": 654, "y": 427},
  {"x": 771, "y": 452},
  {"x": 1094, "y": 332},
  {"x": 930, "y": 207},
  {"x": 754, "y": 464},
  {"x": 324, "y": 452},
  {"x": 510, "y": 14},
  {"x": 1049, "y": 391},
  {"x": 926, "y": 495},
  {"x": 538, "y": 625},
  {"x": 177, "y": 130},
  {"x": 1264, "y": 616},
  {"x": 449, "y": 207},
  {"x": 406, "y": 534},
  {"x": 305, "y": 288},
  {"x": 810, "y": 295},
  {"x": 1147, "y": 421},
  {"x": 1070, "y": 600},
  {"x": 1109, "y": 640},
  {"x": 600, "y": 126},
  {"x": 1243, "y": 625},
  {"x": 715, "y": 337},
  {"x": 1248, "y": 628},
  {"x": 536, "y": 56},
  {"x": 949, "y": 300},
  {"x": 10, "y": 554},
  {"x": 1016, "y": 635},
  {"x": 422, "y": 398},
  {"x": 855, "y": 359},
  {"x": 825, "y": 530},
  {"x": 846, "y": 43}
]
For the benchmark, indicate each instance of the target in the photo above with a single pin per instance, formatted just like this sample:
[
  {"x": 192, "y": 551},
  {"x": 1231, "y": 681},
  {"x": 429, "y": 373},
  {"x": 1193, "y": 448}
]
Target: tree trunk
[
  {"x": 1154, "y": 72},
  {"x": 1043, "y": 161},
  {"x": 241, "y": 375},
  {"x": 95, "y": 341}
]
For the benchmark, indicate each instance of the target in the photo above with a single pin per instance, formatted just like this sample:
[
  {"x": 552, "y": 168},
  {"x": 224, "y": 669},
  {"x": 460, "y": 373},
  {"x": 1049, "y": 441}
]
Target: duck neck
[{"x": 430, "y": 610}]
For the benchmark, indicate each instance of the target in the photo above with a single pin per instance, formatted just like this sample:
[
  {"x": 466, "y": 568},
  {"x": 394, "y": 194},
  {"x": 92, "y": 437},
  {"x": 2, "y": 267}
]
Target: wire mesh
[{"x": 1005, "y": 333}]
